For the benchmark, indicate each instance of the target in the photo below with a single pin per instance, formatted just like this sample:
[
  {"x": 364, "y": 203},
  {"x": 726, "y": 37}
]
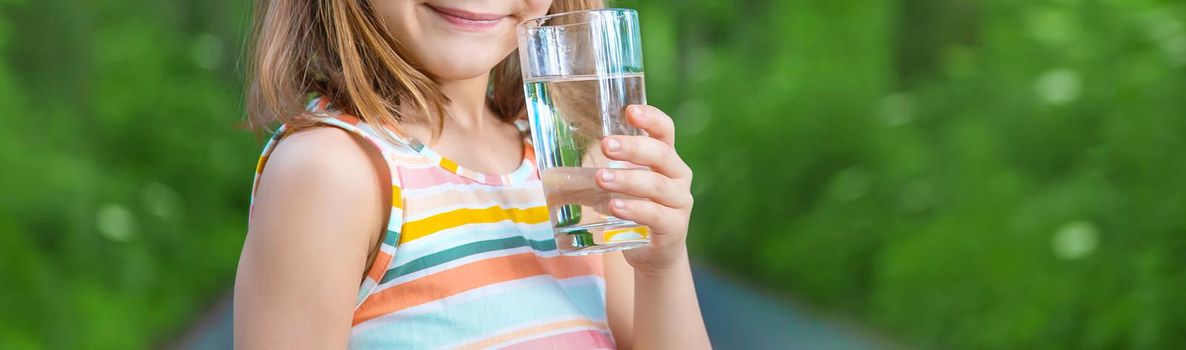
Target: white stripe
[
  {"x": 396, "y": 221},
  {"x": 390, "y": 250},
  {"x": 368, "y": 284},
  {"x": 454, "y": 187},
  {"x": 420, "y": 214}
]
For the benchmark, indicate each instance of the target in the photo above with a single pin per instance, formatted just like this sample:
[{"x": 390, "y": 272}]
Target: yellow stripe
[
  {"x": 490, "y": 342},
  {"x": 396, "y": 198},
  {"x": 637, "y": 232},
  {"x": 449, "y": 165},
  {"x": 259, "y": 166},
  {"x": 432, "y": 224}
]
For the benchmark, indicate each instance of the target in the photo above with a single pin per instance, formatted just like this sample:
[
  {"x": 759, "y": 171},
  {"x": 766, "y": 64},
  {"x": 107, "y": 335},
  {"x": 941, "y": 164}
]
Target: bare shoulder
[
  {"x": 322, "y": 177},
  {"x": 322, "y": 155}
]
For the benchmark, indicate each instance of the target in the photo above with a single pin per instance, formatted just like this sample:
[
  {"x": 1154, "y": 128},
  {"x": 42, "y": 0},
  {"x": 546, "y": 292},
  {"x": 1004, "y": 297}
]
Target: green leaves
[
  {"x": 959, "y": 174},
  {"x": 126, "y": 178}
]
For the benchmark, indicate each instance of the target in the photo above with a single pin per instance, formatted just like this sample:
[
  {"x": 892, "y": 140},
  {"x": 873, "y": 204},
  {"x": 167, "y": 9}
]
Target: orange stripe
[
  {"x": 379, "y": 266},
  {"x": 349, "y": 119},
  {"x": 529, "y": 153},
  {"x": 467, "y": 277},
  {"x": 432, "y": 224},
  {"x": 498, "y": 339}
]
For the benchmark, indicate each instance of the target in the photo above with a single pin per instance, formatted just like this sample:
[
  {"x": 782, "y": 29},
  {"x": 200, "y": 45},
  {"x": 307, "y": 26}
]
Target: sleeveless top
[{"x": 468, "y": 259}]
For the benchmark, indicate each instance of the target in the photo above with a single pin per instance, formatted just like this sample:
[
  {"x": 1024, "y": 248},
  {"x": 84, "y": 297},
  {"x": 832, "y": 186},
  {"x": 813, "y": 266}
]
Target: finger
[
  {"x": 658, "y": 217},
  {"x": 572, "y": 186},
  {"x": 652, "y": 120},
  {"x": 646, "y": 184},
  {"x": 646, "y": 151}
]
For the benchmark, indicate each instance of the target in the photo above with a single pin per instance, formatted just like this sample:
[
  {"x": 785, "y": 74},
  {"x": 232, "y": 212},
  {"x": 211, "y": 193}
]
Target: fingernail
[
  {"x": 613, "y": 144},
  {"x": 636, "y": 110},
  {"x": 618, "y": 203},
  {"x": 607, "y": 176}
]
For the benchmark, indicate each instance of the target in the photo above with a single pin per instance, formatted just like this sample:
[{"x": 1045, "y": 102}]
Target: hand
[{"x": 662, "y": 197}]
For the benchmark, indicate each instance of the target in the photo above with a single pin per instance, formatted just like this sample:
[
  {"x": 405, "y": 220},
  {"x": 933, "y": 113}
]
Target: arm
[
  {"x": 619, "y": 298},
  {"x": 663, "y": 300},
  {"x": 316, "y": 217},
  {"x": 666, "y": 310},
  {"x": 662, "y": 309}
]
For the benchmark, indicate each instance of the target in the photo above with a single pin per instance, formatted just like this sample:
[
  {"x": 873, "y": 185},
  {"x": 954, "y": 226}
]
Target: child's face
[{"x": 457, "y": 39}]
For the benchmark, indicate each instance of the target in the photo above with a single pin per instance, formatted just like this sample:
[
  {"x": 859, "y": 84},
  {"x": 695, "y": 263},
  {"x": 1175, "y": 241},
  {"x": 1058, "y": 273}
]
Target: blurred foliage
[
  {"x": 125, "y": 172},
  {"x": 959, "y": 174}
]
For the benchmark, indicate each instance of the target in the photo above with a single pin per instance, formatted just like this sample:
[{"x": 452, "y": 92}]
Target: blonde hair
[{"x": 340, "y": 50}]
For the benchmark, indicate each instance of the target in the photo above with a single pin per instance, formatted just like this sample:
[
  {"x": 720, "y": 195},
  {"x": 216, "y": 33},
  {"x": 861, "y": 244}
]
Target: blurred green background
[{"x": 954, "y": 174}]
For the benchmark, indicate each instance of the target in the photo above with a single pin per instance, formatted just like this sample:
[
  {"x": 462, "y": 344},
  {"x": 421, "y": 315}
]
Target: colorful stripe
[
  {"x": 465, "y": 250},
  {"x": 499, "y": 309},
  {"x": 463, "y": 278},
  {"x": 466, "y": 216},
  {"x": 467, "y": 259},
  {"x": 446, "y": 239}
]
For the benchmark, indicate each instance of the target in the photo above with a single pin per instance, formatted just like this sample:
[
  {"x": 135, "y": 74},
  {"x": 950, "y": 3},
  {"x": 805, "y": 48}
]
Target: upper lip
[{"x": 473, "y": 16}]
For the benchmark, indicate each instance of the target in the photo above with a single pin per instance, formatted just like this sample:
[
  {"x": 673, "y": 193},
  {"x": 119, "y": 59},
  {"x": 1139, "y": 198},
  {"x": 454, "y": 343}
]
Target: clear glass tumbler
[{"x": 580, "y": 71}]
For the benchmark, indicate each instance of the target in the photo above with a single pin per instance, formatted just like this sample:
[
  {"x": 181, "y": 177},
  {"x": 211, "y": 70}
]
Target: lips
[{"x": 467, "y": 19}]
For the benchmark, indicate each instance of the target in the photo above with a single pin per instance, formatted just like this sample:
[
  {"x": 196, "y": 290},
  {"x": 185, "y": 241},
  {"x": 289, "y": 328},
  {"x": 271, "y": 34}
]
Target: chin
[{"x": 461, "y": 64}]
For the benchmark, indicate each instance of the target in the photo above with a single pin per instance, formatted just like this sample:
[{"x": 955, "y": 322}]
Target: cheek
[
  {"x": 537, "y": 8},
  {"x": 448, "y": 55},
  {"x": 399, "y": 18}
]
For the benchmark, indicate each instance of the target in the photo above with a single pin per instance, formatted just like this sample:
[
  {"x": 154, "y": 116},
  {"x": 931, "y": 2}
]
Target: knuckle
[
  {"x": 630, "y": 144},
  {"x": 648, "y": 148},
  {"x": 643, "y": 185},
  {"x": 649, "y": 208},
  {"x": 683, "y": 198},
  {"x": 667, "y": 152},
  {"x": 627, "y": 177},
  {"x": 635, "y": 177}
]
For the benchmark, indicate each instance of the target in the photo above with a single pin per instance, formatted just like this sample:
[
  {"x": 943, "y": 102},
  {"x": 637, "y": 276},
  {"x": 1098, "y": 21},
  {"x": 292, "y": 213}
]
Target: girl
[{"x": 363, "y": 235}]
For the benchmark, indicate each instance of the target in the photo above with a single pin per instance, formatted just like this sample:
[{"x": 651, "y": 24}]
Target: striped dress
[{"x": 467, "y": 259}]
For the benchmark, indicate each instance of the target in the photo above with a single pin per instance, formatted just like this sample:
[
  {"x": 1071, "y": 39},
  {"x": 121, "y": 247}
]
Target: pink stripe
[
  {"x": 429, "y": 177},
  {"x": 583, "y": 339}
]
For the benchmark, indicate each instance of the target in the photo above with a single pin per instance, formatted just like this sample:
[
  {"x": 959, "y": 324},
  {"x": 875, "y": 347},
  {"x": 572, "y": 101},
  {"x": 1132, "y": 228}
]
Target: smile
[{"x": 467, "y": 20}]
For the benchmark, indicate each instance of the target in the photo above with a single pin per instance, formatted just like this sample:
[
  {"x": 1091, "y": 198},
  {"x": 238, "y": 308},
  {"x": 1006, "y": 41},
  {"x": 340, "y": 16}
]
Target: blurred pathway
[
  {"x": 737, "y": 317},
  {"x": 740, "y": 317}
]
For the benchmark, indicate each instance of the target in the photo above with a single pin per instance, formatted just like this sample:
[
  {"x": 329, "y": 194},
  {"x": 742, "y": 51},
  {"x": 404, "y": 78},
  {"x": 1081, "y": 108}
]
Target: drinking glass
[{"x": 580, "y": 71}]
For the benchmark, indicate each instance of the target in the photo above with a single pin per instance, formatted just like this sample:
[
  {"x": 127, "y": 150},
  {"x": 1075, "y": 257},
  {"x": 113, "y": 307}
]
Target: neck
[{"x": 467, "y": 107}]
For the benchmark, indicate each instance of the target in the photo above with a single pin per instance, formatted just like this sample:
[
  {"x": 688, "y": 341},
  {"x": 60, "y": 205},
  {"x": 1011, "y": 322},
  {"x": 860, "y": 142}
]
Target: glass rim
[{"x": 535, "y": 22}]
